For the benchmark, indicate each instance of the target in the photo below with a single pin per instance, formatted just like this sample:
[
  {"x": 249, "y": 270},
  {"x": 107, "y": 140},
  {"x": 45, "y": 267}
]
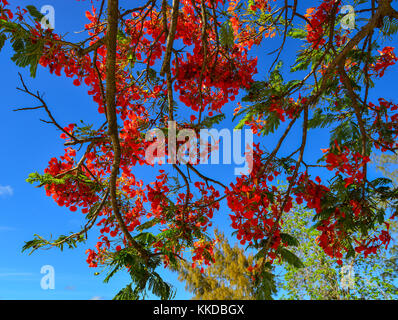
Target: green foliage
[
  {"x": 321, "y": 120},
  {"x": 390, "y": 26},
  {"x": 297, "y": 33},
  {"x": 227, "y": 35},
  {"x": 262, "y": 95},
  {"x": 264, "y": 284},
  {"x": 3, "y": 39},
  {"x": 142, "y": 274},
  {"x": 84, "y": 131},
  {"x": 38, "y": 242},
  {"x": 27, "y": 53},
  {"x": 302, "y": 63},
  {"x": 45, "y": 179},
  {"x": 290, "y": 258},
  {"x": 345, "y": 134},
  {"x": 289, "y": 239},
  {"x": 128, "y": 293},
  {"x": 36, "y": 14},
  {"x": 209, "y": 122},
  {"x": 48, "y": 179}
]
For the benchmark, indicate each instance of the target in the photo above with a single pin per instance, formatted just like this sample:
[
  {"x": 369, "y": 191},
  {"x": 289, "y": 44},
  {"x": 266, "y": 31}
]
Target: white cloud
[
  {"x": 15, "y": 274},
  {"x": 97, "y": 298},
  {"x": 6, "y": 191},
  {"x": 5, "y": 228},
  {"x": 70, "y": 288}
]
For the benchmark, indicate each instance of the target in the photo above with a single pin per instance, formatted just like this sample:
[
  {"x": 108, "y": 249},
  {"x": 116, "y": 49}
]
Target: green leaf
[
  {"x": 289, "y": 239},
  {"x": 290, "y": 258},
  {"x": 127, "y": 293},
  {"x": 243, "y": 121},
  {"x": 297, "y": 33},
  {"x": 34, "y": 244},
  {"x": 209, "y": 122},
  {"x": 321, "y": 120},
  {"x": 227, "y": 38},
  {"x": 3, "y": 39},
  {"x": 35, "y": 13},
  {"x": 301, "y": 64},
  {"x": 148, "y": 224},
  {"x": 145, "y": 237}
]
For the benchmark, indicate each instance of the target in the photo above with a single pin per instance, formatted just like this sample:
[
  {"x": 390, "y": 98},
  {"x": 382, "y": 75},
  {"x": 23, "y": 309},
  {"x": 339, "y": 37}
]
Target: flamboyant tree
[{"x": 147, "y": 65}]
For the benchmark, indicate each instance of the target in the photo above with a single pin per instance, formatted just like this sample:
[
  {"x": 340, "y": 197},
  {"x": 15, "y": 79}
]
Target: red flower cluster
[
  {"x": 329, "y": 240},
  {"x": 385, "y": 120},
  {"x": 348, "y": 163},
  {"x": 387, "y": 58},
  {"x": 318, "y": 21},
  {"x": 73, "y": 189},
  {"x": 311, "y": 192},
  {"x": 5, "y": 14},
  {"x": 373, "y": 244},
  {"x": 256, "y": 205}
]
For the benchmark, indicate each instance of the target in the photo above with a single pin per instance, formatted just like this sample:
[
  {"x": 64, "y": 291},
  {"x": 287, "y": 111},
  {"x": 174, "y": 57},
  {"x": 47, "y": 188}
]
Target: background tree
[
  {"x": 387, "y": 164},
  {"x": 374, "y": 278},
  {"x": 228, "y": 278}
]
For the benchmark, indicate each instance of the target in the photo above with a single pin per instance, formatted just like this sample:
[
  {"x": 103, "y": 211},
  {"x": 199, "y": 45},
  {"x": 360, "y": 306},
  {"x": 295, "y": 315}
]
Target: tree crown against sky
[{"x": 184, "y": 61}]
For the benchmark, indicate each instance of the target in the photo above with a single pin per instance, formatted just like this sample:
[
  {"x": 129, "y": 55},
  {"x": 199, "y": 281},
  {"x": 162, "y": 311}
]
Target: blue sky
[{"x": 26, "y": 146}]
